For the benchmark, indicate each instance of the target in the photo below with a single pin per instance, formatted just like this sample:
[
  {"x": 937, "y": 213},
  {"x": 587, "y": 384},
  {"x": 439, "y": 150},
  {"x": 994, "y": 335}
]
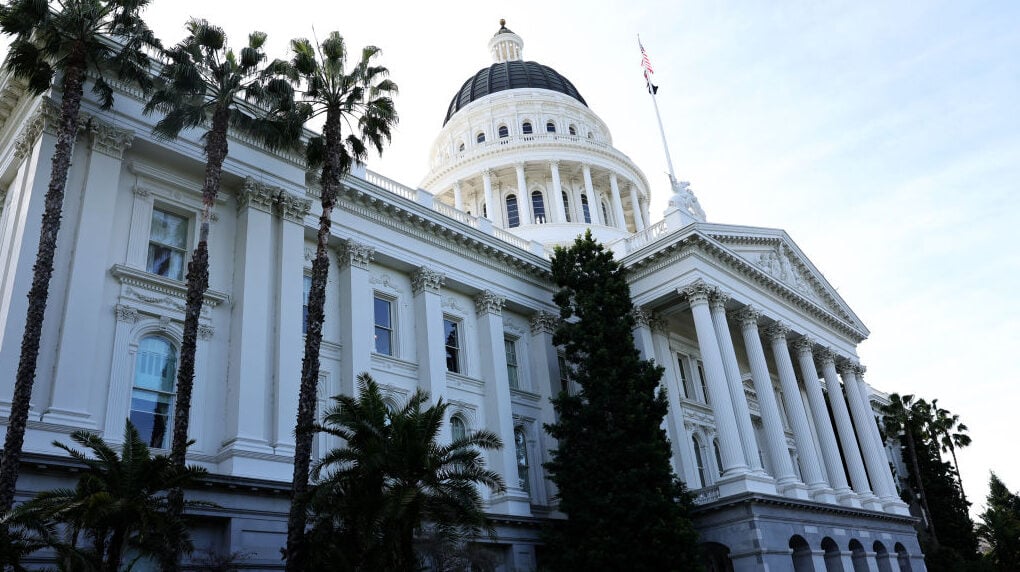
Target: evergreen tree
[
  {"x": 1000, "y": 526},
  {"x": 625, "y": 508}
]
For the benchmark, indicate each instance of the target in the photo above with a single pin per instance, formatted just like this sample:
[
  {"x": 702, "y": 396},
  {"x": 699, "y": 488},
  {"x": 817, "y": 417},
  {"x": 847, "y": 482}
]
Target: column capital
[
  {"x": 696, "y": 292},
  {"x": 518, "y": 164},
  {"x": 294, "y": 208},
  {"x": 487, "y": 173},
  {"x": 718, "y": 299},
  {"x": 554, "y": 163},
  {"x": 586, "y": 167},
  {"x": 488, "y": 302},
  {"x": 804, "y": 345},
  {"x": 425, "y": 279},
  {"x": 776, "y": 331},
  {"x": 544, "y": 322},
  {"x": 643, "y": 317},
  {"x": 110, "y": 140},
  {"x": 747, "y": 316},
  {"x": 355, "y": 254},
  {"x": 257, "y": 195},
  {"x": 826, "y": 356}
]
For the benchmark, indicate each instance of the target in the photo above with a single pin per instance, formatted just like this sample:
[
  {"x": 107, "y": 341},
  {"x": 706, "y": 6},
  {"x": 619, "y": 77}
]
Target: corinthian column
[
  {"x": 775, "y": 435},
  {"x": 594, "y": 206},
  {"x": 523, "y": 200},
  {"x": 810, "y": 469},
  {"x": 635, "y": 206},
  {"x": 734, "y": 382},
  {"x": 556, "y": 200},
  {"x": 845, "y": 428},
  {"x": 614, "y": 188},
  {"x": 823, "y": 426},
  {"x": 730, "y": 447},
  {"x": 490, "y": 205}
]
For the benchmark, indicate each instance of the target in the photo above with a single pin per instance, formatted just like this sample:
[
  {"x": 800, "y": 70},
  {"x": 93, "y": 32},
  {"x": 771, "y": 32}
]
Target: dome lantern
[{"x": 506, "y": 46}]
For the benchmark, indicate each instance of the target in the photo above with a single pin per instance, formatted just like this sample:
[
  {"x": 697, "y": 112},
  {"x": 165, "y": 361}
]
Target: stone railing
[
  {"x": 706, "y": 495},
  {"x": 391, "y": 185},
  {"x": 639, "y": 239}
]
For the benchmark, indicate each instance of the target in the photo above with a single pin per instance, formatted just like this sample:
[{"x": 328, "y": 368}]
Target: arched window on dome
[
  {"x": 458, "y": 430},
  {"x": 699, "y": 461},
  {"x": 584, "y": 208},
  {"x": 590, "y": 135},
  {"x": 550, "y": 127},
  {"x": 503, "y": 132},
  {"x": 566, "y": 205},
  {"x": 152, "y": 394},
  {"x": 460, "y": 148},
  {"x": 513, "y": 217},
  {"x": 605, "y": 214},
  {"x": 480, "y": 138},
  {"x": 526, "y": 128},
  {"x": 572, "y": 130},
  {"x": 538, "y": 206}
]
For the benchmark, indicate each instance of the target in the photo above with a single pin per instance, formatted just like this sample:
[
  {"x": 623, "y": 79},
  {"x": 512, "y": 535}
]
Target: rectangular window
[
  {"x": 511, "y": 363},
  {"x": 564, "y": 374},
  {"x": 383, "y": 326},
  {"x": 451, "y": 335},
  {"x": 704, "y": 382},
  {"x": 168, "y": 238},
  {"x": 304, "y": 304},
  {"x": 682, "y": 367}
]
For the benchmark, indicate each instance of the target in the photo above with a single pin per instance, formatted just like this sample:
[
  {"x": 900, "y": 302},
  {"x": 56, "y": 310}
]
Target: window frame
[
  {"x": 454, "y": 419},
  {"x": 550, "y": 126},
  {"x": 527, "y": 128},
  {"x": 566, "y": 204},
  {"x": 523, "y": 461},
  {"x": 513, "y": 368},
  {"x": 157, "y": 394},
  {"x": 457, "y": 349},
  {"x": 503, "y": 131},
  {"x": 538, "y": 206},
  {"x": 513, "y": 211},
  {"x": 181, "y": 250},
  {"x": 390, "y": 329},
  {"x": 585, "y": 208},
  {"x": 480, "y": 137}
]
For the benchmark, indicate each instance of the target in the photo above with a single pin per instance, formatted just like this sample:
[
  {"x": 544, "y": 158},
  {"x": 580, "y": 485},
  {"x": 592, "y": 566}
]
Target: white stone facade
[{"x": 758, "y": 347}]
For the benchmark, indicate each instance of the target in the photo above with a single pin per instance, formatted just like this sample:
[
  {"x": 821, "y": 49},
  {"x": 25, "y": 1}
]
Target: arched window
[
  {"x": 566, "y": 205},
  {"x": 526, "y": 128},
  {"x": 538, "y": 206},
  {"x": 572, "y": 130},
  {"x": 699, "y": 461},
  {"x": 460, "y": 148},
  {"x": 605, "y": 213},
  {"x": 513, "y": 218},
  {"x": 550, "y": 127},
  {"x": 584, "y": 208},
  {"x": 503, "y": 131},
  {"x": 457, "y": 428},
  {"x": 718, "y": 456},
  {"x": 521, "y": 447},
  {"x": 152, "y": 394},
  {"x": 590, "y": 136},
  {"x": 801, "y": 554},
  {"x": 480, "y": 138}
]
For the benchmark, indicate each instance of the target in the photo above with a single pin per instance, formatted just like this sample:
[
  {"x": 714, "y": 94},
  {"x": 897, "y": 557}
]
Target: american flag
[{"x": 646, "y": 65}]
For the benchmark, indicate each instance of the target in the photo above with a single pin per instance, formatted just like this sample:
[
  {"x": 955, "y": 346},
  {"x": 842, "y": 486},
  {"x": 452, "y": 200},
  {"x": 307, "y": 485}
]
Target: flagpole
[{"x": 658, "y": 118}]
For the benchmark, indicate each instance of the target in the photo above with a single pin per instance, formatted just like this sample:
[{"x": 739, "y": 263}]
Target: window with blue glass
[
  {"x": 513, "y": 217},
  {"x": 152, "y": 394},
  {"x": 383, "y": 309}
]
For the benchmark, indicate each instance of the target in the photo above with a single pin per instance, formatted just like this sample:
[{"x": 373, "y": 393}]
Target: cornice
[
  {"x": 744, "y": 499},
  {"x": 174, "y": 288},
  {"x": 669, "y": 250}
]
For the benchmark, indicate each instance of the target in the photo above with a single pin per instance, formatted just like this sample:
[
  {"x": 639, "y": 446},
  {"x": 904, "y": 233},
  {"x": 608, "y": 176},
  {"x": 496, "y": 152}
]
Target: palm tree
[
  {"x": 205, "y": 83},
  {"x": 377, "y": 492},
  {"x": 360, "y": 100},
  {"x": 1000, "y": 525},
  {"x": 909, "y": 418},
  {"x": 950, "y": 434},
  {"x": 119, "y": 505},
  {"x": 73, "y": 39}
]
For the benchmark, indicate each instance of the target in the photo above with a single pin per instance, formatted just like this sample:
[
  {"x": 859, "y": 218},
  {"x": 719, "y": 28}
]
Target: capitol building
[{"x": 444, "y": 285}]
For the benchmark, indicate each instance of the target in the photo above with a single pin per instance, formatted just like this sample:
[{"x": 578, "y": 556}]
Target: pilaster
[
  {"x": 545, "y": 371},
  {"x": 357, "y": 315},
  {"x": 426, "y": 284},
  {"x": 498, "y": 408}
]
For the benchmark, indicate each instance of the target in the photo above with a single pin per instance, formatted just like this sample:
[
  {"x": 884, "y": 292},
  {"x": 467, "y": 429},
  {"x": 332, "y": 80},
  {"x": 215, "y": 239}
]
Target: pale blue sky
[{"x": 883, "y": 136}]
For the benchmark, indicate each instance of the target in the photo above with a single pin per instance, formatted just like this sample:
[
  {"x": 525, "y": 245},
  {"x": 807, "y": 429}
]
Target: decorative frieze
[
  {"x": 488, "y": 302},
  {"x": 544, "y": 322},
  {"x": 426, "y": 279},
  {"x": 355, "y": 254}
]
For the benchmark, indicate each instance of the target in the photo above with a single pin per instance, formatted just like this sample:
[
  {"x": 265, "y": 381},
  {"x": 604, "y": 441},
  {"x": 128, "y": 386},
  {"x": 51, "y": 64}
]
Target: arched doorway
[
  {"x": 716, "y": 557},
  {"x": 833, "y": 562},
  {"x": 882, "y": 557},
  {"x": 801, "y": 554},
  {"x": 858, "y": 556},
  {"x": 902, "y": 558}
]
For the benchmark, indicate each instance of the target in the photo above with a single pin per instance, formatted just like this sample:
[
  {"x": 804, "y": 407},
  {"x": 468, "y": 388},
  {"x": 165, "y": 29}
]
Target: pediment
[{"x": 774, "y": 253}]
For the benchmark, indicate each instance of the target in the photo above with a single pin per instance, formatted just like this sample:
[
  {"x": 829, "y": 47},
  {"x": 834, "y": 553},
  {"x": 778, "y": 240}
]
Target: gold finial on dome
[{"x": 502, "y": 22}]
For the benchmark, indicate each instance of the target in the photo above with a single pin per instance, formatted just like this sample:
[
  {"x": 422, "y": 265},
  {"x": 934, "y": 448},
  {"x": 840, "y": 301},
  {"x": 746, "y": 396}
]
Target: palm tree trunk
[
  {"x": 74, "y": 76},
  {"x": 956, "y": 465},
  {"x": 307, "y": 398},
  {"x": 920, "y": 485},
  {"x": 198, "y": 283}
]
